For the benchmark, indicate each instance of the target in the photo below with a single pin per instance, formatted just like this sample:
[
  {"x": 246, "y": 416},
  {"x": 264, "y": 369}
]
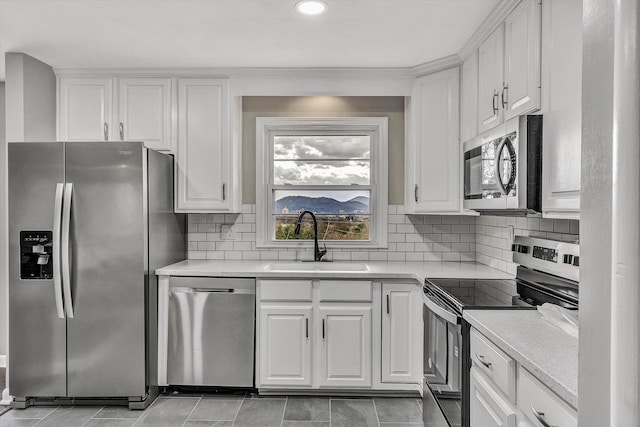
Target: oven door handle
[{"x": 439, "y": 311}]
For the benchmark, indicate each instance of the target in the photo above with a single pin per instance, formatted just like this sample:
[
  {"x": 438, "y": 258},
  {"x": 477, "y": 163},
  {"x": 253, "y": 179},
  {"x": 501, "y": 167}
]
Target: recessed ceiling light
[{"x": 311, "y": 7}]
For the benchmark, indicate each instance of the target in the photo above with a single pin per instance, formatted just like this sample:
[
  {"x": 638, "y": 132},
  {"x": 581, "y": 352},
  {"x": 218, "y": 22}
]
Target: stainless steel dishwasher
[{"x": 211, "y": 331}]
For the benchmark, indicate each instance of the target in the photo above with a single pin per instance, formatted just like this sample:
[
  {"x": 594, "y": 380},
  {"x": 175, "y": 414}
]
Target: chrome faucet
[{"x": 318, "y": 254}]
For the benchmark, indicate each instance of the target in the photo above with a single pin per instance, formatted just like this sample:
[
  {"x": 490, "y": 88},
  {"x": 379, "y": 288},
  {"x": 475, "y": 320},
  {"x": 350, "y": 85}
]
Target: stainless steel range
[{"x": 548, "y": 271}]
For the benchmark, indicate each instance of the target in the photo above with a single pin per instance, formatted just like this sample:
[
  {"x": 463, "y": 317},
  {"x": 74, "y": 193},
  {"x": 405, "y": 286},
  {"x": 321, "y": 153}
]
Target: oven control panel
[
  {"x": 545, "y": 254},
  {"x": 550, "y": 256}
]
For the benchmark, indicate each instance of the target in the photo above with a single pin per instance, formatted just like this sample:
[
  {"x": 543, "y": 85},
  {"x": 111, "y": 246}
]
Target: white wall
[
  {"x": 595, "y": 214},
  {"x": 3, "y": 226}
]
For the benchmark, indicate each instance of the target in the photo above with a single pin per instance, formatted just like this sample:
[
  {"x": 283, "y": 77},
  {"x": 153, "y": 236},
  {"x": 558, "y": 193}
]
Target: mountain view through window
[{"x": 329, "y": 175}]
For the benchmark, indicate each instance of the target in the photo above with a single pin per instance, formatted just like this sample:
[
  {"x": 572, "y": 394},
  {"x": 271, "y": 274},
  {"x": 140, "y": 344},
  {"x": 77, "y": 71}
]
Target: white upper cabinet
[
  {"x": 85, "y": 109},
  {"x": 490, "y": 80},
  {"x": 116, "y": 109},
  {"x": 562, "y": 97},
  {"x": 206, "y": 170},
  {"x": 509, "y": 67},
  {"x": 521, "y": 89},
  {"x": 144, "y": 112},
  {"x": 469, "y": 98},
  {"x": 432, "y": 151}
]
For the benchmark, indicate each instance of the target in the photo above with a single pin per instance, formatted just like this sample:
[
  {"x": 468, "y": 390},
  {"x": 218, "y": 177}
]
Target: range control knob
[
  {"x": 576, "y": 261},
  {"x": 523, "y": 249},
  {"x": 567, "y": 259}
]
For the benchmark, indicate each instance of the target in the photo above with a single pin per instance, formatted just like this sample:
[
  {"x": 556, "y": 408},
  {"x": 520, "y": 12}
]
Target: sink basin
[{"x": 316, "y": 266}]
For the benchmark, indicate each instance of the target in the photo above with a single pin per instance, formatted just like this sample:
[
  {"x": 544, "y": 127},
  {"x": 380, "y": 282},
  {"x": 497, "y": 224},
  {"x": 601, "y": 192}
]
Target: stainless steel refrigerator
[{"x": 89, "y": 222}]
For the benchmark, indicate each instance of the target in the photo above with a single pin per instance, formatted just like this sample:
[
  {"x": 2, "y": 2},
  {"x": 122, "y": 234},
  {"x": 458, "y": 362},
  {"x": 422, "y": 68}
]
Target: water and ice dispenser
[{"x": 36, "y": 259}]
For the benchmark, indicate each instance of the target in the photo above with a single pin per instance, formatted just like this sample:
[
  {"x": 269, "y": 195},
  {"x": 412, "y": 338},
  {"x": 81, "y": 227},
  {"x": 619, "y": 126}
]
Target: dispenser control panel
[{"x": 36, "y": 258}]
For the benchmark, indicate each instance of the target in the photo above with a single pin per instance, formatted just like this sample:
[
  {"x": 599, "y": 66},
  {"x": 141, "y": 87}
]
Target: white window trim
[{"x": 377, "y": 127}]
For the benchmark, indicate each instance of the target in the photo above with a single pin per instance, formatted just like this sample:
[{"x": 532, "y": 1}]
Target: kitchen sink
[{"x": 316, "y": 266}]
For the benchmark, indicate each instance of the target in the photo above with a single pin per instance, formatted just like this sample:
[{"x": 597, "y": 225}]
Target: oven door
[{"x": 442, "y": 345}]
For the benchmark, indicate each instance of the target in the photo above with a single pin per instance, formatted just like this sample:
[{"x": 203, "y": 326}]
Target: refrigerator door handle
[
  {"x": 57, "y": 219},
  {"x": 66, "y": 265}
]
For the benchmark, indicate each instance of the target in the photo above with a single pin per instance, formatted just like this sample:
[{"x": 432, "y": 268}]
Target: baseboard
[{"x": 6, "y": 399}]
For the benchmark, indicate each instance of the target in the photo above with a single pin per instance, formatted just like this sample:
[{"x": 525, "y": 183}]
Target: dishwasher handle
[{"x": 212, "y": 290}]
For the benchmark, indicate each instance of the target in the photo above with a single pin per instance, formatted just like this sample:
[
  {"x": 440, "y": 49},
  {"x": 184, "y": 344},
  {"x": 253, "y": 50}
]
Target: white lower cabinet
[
  {"x": 502, "y": 393},
  {"x": 401, "y": 323},
  {"x": 328, "y": 334},
  {"x": 345, "y": 349},
  {"x": 540, "y": 406},
  {"x": 285, "y": 345},
  {"x": 488, "y": 407}
]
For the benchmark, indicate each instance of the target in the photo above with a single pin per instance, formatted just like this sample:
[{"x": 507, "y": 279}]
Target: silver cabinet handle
[
  {"x": 106, "y": 132},
  {"x": 65, "y": 249},
  {"x": 481, "y": 360},
  {"x": 121, "y": 132},
  {"x": 323, "y": 332},
  {"x": 540, "y": 417},
  {"x": 415, "y": 193},
  {"x": 57, "y": 219},
  {"x": 388, "y": 309},
  {"x": 505, "y": 99},
  {"x": 494, "y": 102},
  {"x": 306, "y": 321},
  {"x": 224, "y": 191}
]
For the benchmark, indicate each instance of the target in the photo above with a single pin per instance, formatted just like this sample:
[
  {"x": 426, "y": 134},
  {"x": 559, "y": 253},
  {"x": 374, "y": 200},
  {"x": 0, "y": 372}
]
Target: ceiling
[{"x": 236, "y": 33}]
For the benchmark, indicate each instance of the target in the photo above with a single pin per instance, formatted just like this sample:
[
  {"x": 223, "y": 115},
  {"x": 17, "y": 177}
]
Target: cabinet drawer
[
  {"x": 533, "y": 395},
  {"x": 345, "y": 290},
  {"x": 494, "y": 363},
  {"x": 285, "y": 290}
]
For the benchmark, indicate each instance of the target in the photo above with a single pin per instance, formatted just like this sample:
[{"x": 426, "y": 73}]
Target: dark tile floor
[{"x": 195, "y": 410}]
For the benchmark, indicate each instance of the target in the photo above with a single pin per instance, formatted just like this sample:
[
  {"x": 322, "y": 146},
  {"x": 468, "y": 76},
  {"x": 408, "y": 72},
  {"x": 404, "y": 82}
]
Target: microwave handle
[{"x": 506, "y": 188}]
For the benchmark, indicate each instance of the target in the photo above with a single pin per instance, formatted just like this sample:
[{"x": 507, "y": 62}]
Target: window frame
[{"x": 375, "y": 127}]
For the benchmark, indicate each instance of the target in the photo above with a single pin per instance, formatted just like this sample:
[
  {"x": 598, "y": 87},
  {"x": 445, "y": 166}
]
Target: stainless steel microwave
[{"x": 503, "y": 168}]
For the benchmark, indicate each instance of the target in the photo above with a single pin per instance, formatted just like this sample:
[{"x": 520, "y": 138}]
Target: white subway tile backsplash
[{"x": 485, "y": 239}]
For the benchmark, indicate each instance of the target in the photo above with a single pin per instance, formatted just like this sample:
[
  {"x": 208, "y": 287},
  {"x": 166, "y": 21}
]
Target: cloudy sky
[{"x": 322, "y": 160}]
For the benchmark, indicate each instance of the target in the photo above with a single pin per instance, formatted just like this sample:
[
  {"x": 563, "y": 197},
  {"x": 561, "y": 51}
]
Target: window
[{"x": 333, "y": 167}]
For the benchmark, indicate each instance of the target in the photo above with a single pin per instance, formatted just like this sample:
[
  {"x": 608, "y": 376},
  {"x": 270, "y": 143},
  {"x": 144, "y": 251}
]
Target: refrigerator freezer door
[
  {"x": 37, "y": 359},
  {"x": 106, "y": 336}
]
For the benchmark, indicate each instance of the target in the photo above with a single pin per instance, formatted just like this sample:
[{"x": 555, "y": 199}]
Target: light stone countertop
[
  {"x": 546, "y": 351},
  {"x": 375, "y": 270}
]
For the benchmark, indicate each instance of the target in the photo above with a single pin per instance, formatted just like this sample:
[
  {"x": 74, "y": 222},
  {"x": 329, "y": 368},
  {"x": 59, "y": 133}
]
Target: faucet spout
[{"x": 317, "y": 253}]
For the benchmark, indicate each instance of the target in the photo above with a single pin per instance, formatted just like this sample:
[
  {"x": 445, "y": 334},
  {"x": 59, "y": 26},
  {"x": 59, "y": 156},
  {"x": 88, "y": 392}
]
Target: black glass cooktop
[{"x": 477, "y": 293}]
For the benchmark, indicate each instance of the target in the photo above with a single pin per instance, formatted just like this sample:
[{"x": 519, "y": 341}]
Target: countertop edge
[
  {"x": 559, "y": 388},
  {"x": 417, "y": 271}
]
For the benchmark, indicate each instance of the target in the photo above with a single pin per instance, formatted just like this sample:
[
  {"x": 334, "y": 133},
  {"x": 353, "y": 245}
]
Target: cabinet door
[
  {"x": 401, "y": 333},
  {"x": 203, "y": 159},
  {"x": 562, "y": 84},
  {"x": 344, "y": 349},
  {"x": 84, "y": 109},
  {"x": 285, "y": 346},
  {"x": 488, "y": 407},
  {"x": 490, "y": 79},
  {"x": 144, "y": 112},
  {"x": 435, "y": 151},
  {"x": 469, "y": 98},
  {"x": 521, "y": 91}
]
